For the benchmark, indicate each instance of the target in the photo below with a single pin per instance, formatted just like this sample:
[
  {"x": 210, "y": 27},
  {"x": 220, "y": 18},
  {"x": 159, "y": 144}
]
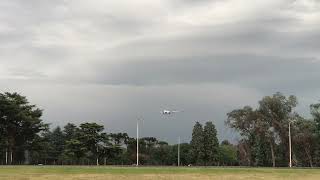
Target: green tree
[
  {"x": 161, "y": 154},
  {"x": 74, "y": 151},
  {"x": 90, "y": 136},
  {"x": 57, "y": 142},
  {"x": 197, "y": 144},
  {"x": 113, "y": 147},
  {"x": 70, "y": 131},
  {"x": 211, "y": 144},
  {"x": 20, "y": 122},
  {"x": 268, "y": 124},
  {"x": 315, "y": 112},
  {"x": 277, "y": 111},
  {"x": 227, "y": 154},
  {"x": 185, "y": 151},
  {"x": 304, "y": 140},
  {"x": 244, "y": 121}
]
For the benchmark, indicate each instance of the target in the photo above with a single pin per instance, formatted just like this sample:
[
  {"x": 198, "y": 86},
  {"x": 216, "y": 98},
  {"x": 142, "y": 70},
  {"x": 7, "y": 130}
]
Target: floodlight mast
[
  {"x": 137, "y": 142},
  {"x": 139, "y": 119},
  {"x": 290, "y": 144},
  {"x": 6, "y": 156},
  {"x": 167, "y": 112},
  {"x": 290, "y": 158},
  {"x": 179, "y": 151},
  {"x": 97, "y": 160}
]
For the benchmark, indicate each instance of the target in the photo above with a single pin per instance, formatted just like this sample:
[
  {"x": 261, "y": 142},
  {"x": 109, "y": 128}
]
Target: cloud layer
[{"x": 111, "y": 61}]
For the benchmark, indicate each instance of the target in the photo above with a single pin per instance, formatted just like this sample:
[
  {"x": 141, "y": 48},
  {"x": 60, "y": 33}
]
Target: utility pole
[
  {"x": 137, "y": 142},
  {"x": 290, "y": 158},
  {"x": 97, "y": 155},
  {"x": 291, "y": 120},
  {"x": 167, "y": 112},
  {"x": 7, "y": 156},
  {"x": 179, "y": 151}
]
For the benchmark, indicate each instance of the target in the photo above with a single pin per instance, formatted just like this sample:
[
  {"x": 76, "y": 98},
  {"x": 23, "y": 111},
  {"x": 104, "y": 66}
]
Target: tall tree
[
  {"x": 304, "y": 138},
  {"x": 267, "y": 124},
  {"x": 74, "y": 151},
  {"x": 90, "y": 135},
  {"x": 244, "y": 121},
  {"x": 211, "y": 144},
  {"x": 57, "y": 142},
  {"x": 197, "y": 144},
  {"x": 277, "y": 110},
  {"x": 20, "y": 121},
  {"x": 70, "y": 131},
  {"x": 315, "y": 112}
]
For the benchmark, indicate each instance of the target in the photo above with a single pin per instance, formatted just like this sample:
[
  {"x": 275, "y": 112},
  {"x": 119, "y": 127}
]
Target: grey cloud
[
  {"x": 26, "y": 73},
  {"x": 253, "y": 70},
  {"x": 114, "y": 62},
  {"x": 246, "y": 38}
]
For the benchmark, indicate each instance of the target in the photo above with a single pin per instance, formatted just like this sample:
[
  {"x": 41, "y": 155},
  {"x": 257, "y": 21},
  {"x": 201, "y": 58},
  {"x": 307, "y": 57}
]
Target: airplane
[{"x": 168, "y": 112}]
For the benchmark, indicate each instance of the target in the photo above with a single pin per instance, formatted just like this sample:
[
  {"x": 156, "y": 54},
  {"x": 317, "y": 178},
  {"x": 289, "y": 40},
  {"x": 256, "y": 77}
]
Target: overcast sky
[{"x": 110, "y": 61}]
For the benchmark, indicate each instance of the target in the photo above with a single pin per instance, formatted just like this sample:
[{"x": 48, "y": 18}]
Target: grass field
[{"x": 143, "y": 173}]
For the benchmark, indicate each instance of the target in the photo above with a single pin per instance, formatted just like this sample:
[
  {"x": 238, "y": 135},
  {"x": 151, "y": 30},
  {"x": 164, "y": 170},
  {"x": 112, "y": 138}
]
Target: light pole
[
  {"x": 179, "y": 151},
  {"x": 137, "y": 143},
  {"x": 139, "y": 119},
  {"x": 290, "y": 144},
  {"x": 97, "y": 160},
  {"x": 290, "y": 150},
  {"x": 167, "y": 112},
  {"x": 6, "y": 156}
]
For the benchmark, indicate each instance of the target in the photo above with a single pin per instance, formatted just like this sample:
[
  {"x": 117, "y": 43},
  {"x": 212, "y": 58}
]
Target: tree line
[
  {"x": 264, "y": 133},
  {"x": 26, "y": 139},
  {"x": 263, "y": 139}
]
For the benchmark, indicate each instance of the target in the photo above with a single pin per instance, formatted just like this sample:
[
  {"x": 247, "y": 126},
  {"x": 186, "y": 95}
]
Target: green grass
[{"x": 111, "y": 172}]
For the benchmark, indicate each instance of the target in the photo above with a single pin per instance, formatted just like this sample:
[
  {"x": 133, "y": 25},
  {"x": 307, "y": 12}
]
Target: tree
[
  {"x": 315, "y": 112},
  {"x": 56, "y": 139},
  {"x": 74, "y": 151},
  {"x": 211, "y": 144},
  {"x": 227, "y": 154},
  {"x": 304, "y": 138},
  {"x": 185, "y": 151},
  {"x": 20, "y": 122},
  {"x": 113, "y": 147},
  {"x": 90, "y": 136},
  {"x": 277, "y": 110},
  {"x": 268, "y": 124},
  {"x": 2, "y": 144},
  {"x": 70, "y": 131},
  {"x": 244, "y": 121},
  {"x": 148, "y": 148},
  {"x": 197, "y": 144}
]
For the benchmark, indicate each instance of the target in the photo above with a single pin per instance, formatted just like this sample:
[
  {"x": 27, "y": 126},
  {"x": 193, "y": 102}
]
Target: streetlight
[
  {"x": 290, "y": 146},
  {"x": 168, "y": 112},
  {"x": 139, "y": 119},
  {"x": 179, "y": 151},
  {"x": 97, "y": 160}
]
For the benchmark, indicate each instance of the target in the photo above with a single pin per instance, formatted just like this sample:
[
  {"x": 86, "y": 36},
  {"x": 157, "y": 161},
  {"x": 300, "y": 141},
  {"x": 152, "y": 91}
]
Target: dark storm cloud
[
  {"x": 252, "y": 70},
  {"x": 111, "y": 61}
]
